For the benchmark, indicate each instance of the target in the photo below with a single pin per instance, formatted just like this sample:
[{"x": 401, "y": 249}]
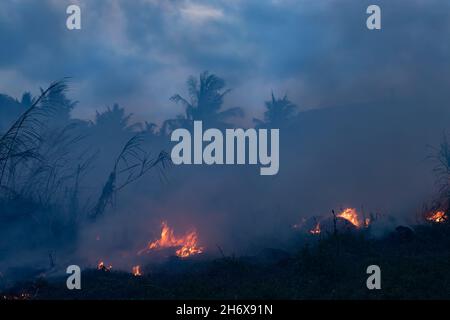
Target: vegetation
[
  {"x": 46, "y": 157},
  {"x": 279, "y": 112},
  {"x": 414, "y": 268},
  {"x": 206, "y": 97}
]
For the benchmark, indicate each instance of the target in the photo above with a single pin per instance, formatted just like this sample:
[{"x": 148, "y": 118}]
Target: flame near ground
[
  {"x": 184, "y": 247},
  {"x": 437, "y": 217},
  {"x": 349, "y": 214},
  {"x": 187, "y": 245},
  {"x": 316, "y": 229},
  {"x": 136, "y": 271}
]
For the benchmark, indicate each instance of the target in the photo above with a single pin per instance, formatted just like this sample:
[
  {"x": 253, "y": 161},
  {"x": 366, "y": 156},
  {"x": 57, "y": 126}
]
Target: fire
[
  {"x": 136, "y": 271},
  {"x": 351, "y": 216},
  {"x": 188, "y": 245},
  {"x": 316, "y": 229},
  {"x": 437, "y": 217},
  {"x": 21, "y": 296},
  {"x": 101, "y": 266}
]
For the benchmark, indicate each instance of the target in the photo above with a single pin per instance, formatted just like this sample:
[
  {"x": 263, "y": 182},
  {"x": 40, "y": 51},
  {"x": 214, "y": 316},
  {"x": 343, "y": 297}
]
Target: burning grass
[
  {"x": 323, "y": 269},
  {"x": 316, "y": 230},
  {"x": 348, "y": 217},
  {"x": 318, "y": 270},
  {"x": 351, "y": 215},
  {"x": 185, "y": 246},
  {"x": 136, "y": 271},
  {"x": 437, "y": 217},
  {"x": 101, "y": 266}
]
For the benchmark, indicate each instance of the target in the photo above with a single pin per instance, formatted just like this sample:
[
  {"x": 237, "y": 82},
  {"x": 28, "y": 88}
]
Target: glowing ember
[
  {"x": 136, "y": 271},
  {"x": 187, "y": 245},
  {"x": 437, "y": 217},
  {"x": 316, "y": 229},
  {"x": 101, "y": 266},
  {"x": 351, "y": 216},
  {"x": 21, "y": 296}
]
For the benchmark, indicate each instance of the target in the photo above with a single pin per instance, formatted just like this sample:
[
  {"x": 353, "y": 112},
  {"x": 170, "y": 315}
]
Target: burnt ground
[{"x": 414, "y": 265}]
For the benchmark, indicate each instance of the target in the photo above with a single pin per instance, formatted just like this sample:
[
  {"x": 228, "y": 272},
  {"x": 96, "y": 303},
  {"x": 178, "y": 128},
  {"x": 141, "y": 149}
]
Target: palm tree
[
  {"x": 114, "y": 120},
  {"x": 205, "y": 101},
  {"x": 278, "y": 112},
  {"x": 110, "y": 129}
]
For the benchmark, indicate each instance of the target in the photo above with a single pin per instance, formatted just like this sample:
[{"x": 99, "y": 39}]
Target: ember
[
  {"x": 187, "y": 245},
  {"x": 101, "y": 266},
  {"x": 21, "y": 296},
  {"x": 437, "y": 217},
  {"x": 316, "y": 229},
  {"x": 136, "y": 271}
]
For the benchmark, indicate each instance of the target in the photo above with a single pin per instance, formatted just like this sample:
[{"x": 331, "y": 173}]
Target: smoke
[
  {"x": 372, "y": 158},
  {"x": 371, "y": 102}
]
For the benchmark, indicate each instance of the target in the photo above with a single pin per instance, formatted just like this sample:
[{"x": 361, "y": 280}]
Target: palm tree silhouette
[
  {"x": 278, "y": 112},
  {"x": 114, "y": 119},
  {"x": 205, "y": 101}
]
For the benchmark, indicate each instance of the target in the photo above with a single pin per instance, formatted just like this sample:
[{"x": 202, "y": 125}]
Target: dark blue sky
[{"x": 138, "y": 53}]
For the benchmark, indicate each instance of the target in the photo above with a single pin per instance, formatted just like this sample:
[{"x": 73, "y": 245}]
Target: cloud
[
  {"x": 199, "y": 13},
  {"x": 139, "y": 53}
]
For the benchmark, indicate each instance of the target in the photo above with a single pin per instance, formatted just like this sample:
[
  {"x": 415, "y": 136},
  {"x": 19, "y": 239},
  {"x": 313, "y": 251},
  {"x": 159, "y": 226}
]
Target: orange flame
[
  {"x": 136, "y": 271},
  {"x": 101, "y": 266},
  {"x": 351, "y": 216},
  {"x": 437, "y": 217},
  {"x": 316, "y": 229},
  {"x": 187, "y": 245}
]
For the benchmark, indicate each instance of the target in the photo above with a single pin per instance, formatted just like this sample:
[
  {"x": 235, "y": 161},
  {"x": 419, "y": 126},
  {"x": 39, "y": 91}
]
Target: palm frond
[{"x": 21, "y": 141}]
